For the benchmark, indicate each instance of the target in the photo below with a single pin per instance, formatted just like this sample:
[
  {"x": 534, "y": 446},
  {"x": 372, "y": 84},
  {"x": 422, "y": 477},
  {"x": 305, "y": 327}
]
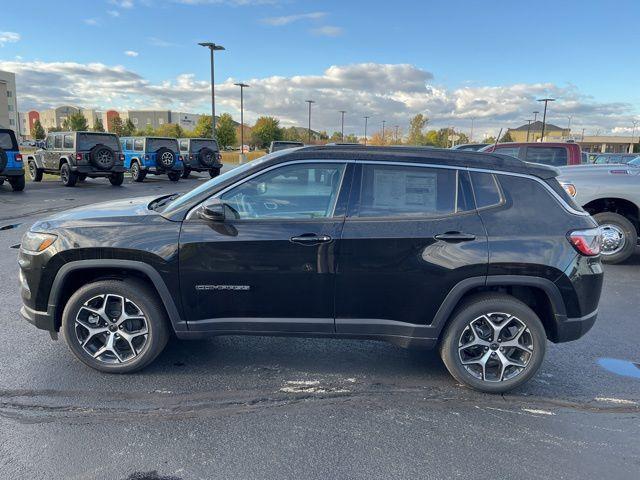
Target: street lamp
[
  {"x": 242, "y": 86},
  {"x": 633, "y": 134},
  {"x": 366, "y": 119},
  {"x": 544, "y": 115},
  {"x": 212, "y": 47},
  {"x": 396, "y": 127},
  {"x": 342, "y": 125},
  {"x": 528, "y": 128},
  {"x": 309, "y": 128},
  {"x": 383, "y": 124}
]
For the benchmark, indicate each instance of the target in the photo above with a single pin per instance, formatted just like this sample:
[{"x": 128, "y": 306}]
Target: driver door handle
[
  {"x": 310, "y": 239},
  {"x": 454, "y": 237}
]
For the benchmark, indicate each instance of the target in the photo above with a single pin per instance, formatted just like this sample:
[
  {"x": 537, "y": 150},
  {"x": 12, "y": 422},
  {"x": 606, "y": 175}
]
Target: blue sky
[{"x": 469, "y": 59}]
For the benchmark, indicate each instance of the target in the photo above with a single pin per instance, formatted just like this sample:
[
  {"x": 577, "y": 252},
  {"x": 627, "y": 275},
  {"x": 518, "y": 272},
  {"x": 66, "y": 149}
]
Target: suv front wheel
[
  {"x": 493, "y": 343},
  {"x": 115, "y": 326}
]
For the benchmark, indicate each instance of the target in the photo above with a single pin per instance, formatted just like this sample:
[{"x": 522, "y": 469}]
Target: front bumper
[
  {"x": 41, "y": 320},
  {"x": 12, "y": 172}
]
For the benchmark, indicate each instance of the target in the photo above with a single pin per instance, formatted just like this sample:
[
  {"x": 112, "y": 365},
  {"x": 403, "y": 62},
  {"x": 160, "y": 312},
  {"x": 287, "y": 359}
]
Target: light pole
[
  {"x": 309, "y": 128},
  {"x": 528, "y": 128},
  {"x": 242, "y": 86},
  {"x": 544, "y": 115},
  {"x": 633, "y": 134},
  {"x": 396, "y": 127},
  {"x": 384, "y": 122},
  {"x": 569, "y": 125},
  {"x": 366, "y": 119},
  {"x": 471, "y": 133},
  {"x": 342, "y": 112},
  {"x": 212, "y": 47}
]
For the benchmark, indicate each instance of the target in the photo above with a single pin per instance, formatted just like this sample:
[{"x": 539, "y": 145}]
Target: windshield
[
  {"x": 635, "y": 162},
  {"x": 86, "y": 141},
  {"x": 197, "y": 145},
  {"x": 154, "y": 144},
  {"x": 6, "y": 141}
]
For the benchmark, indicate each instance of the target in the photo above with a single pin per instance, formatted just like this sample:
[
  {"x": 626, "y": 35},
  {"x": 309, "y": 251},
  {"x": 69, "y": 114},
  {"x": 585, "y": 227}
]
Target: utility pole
[
  {"x": 528, "y": 128},
  {"x": 396, "y": 127},
  {"x": 342, "y": 125},
  {"x": 366, "y": 119},
  {"x": 309, "y": 128},
  {"x": 212, "y": 48},
  {"x": 383, "y": 124},
  {"x": 633, "y": 134},
  {"x": 471, "y": 133},
  {"x": 242, "y": 86},
  {"x": 569, "y": 125},
  {"x": 544, "y": 116}
]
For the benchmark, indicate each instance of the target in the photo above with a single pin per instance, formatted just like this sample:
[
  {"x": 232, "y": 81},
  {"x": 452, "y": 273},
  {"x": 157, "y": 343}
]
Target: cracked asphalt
[{"x": 252, "y": 407}]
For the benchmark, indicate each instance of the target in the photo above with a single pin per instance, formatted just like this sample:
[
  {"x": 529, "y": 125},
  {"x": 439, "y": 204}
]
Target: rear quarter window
[
  {"x": 486, "y": 189},
  {"x": 6, "y": 142},
  {"x": 513, "y": 151}
]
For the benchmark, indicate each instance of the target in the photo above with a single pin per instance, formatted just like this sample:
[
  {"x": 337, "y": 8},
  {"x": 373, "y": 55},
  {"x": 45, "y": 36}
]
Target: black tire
[
  {"x": 147, "y": 301},
  {"x": 68, "y": 177},
  {"x": 17, "y": 183},
  {"x": 116, "y": 179},
  {"x": 165, "y": 158},
  {"x": 613, "y": 225},
  {"x": 3, "y": 159},
  {"x": 214, "y": 172},
  {"x": 186, "y": 172},
  {"x": 206, "y": 156},
  {"x": 137, "y": 174},
  {"x": 34, "y": 172},
  {"x": 484, "y": 304},
  {"x": 174, "y": 176},
  {"x": 102, "y": 157},
  {"x": 1, "y": 181},
  {"x": 82, "y": 177}
]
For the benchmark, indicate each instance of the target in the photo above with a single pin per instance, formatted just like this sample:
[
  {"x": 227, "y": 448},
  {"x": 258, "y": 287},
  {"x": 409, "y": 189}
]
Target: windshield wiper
[{"x": 163, "y": 200}]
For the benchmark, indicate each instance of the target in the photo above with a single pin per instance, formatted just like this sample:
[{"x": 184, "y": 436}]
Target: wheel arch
[
  {"x": 621, "y": 206},
  {"x": 75, "y": 274}
]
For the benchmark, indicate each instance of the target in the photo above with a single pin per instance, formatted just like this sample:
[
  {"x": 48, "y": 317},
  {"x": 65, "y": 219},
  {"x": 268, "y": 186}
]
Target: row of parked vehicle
[{"x": 75, "y": 156}]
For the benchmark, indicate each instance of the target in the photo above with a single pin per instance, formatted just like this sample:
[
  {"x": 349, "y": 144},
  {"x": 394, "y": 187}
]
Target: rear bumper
[
  {"x": 12, "y": 172},
  {"x": 198, "y": 167},
  {"x": 89, "y": 170},
  {"x": 569, "y": 329}
]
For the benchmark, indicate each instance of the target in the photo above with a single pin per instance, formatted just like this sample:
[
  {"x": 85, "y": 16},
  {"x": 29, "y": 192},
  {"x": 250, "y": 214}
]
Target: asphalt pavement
[{"x": 284, "y": 408}]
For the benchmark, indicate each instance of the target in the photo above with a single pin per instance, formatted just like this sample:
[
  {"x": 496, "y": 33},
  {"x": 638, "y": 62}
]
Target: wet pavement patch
[
  {"x": 10, "y": 227},
  {"x": 620, "y": 367}
]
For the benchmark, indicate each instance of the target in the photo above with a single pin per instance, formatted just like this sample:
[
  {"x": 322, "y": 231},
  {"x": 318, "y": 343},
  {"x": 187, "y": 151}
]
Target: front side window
[
  {"x": 299, "y": 191},
  {"x": 50, "y": 142},
  {"x": 555, "y": 156},
  {"x": 128, "y": 145},
  {"x": 397, "y": 191}
]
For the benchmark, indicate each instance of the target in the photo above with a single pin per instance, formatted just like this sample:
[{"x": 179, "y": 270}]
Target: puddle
[
  {"x": 620, "y": 367},
  {"x": 9, "y": 227}
]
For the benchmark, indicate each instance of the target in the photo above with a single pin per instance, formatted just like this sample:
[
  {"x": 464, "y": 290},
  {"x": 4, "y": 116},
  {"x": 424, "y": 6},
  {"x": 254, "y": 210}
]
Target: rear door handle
[
  {"x": 310, "y": 239},
  {"x": 453, "y": 237}
]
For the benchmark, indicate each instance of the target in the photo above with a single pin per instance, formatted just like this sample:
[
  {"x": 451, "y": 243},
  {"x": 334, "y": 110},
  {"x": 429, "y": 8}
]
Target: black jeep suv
[
  {"x": 482, "y": 256},
  {"x": 78, "y": 155},
  {"x": 200, "y": 155}
]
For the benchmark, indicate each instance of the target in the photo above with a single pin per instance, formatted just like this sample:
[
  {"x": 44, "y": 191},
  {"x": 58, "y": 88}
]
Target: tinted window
[
  {"x": 68, "y": 141},
  {"x": 6, "y": 141},
  {"x": 154, "y": 144},
  {"x": 138, "y": 144},
  {"x": 86, "y": 141},
  {"x": 389, "y": 191},
  {"x": 129, "y": 144},
  {"x": 284, "y": 145},
  {"x": 184, "y": 145},
  {"x": 304, "y": 190},
  {"x": 58, "y": 141},
  {"x": 556, "y": 156},
  {"x": 486, "y": 189},
  {"x": 513, "y": 151},
  {"x": 197, "y": 145}
]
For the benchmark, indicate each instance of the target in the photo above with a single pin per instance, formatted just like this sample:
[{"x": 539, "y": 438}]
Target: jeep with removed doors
[
  {"x": 200, "y": 155},
  {"x": 155, "y": 155},
  {"x": 78, "y": 155},
  {"x": 11, "y": 167},
  {"x": 556, "y": 154},
  {"x": 481, "y": 256}
]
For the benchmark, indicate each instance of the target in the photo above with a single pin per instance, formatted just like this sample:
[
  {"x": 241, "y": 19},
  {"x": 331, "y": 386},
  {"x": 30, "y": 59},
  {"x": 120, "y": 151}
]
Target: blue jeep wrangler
[
  {"x": 156, "y": 155},
  {"x": 11, "y": 167},
  {"x": 200, "y": 155}
]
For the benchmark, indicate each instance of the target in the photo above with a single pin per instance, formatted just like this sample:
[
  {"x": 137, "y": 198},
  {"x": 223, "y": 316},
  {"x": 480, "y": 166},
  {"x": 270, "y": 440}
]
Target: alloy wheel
[
  {"x": 32, "y": 170},
  {"x": 495, "y": 347},
  {"x": 613, "y": 239},
  {"x": 104, "y": 158},
  {"x": 111, "y": 329},
  {"x": 166, "y": 159}
]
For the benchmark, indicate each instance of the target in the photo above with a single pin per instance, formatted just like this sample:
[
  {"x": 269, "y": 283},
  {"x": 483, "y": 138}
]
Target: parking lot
[{"x": 253, "y": 407}]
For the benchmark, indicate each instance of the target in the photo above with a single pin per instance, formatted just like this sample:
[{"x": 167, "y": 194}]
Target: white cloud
[
  {"x": 328, "y": 31},
  {"x": 90, "y": 21},
  {"x": 8, "y": 37},
  {"x": 131, "y": 53},
  {"x": 122, "y": 3},
  {"x": 287, "y": 19},
  {"x": 113, "y": 13},
  {"x": 393, "y": 92}
]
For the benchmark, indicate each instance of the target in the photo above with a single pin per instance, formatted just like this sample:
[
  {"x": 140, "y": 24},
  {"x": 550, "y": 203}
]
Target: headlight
[
  {"x": 570, "y": 188},
  {"x": 37, "y": 242}
]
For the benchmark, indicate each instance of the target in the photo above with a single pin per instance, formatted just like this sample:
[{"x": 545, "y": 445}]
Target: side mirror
[{"x": 212, "y": 211}]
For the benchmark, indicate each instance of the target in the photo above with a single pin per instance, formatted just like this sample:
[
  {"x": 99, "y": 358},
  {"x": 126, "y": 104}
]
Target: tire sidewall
[
  {"x": 630, "y": 235},
  {"x": 475, "y": 308},
  {"x": 141, "y": 296}
]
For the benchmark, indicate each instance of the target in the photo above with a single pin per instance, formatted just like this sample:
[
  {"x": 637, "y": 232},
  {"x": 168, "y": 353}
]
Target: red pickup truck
[{"x": 549, "y": 153}]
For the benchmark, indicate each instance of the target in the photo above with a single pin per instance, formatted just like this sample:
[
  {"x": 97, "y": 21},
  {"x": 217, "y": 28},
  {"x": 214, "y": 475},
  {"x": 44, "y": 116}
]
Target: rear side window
[
  {"x": 486, "y": 189},
  {"x": 555, "y": 156},
  {"x": 138, "y": 144},
  {"x": 513, "y": 151},
  {"x": 391, "y": 191},
  {"x": 58, "y": 141},
  {"x": 6, "y": 141},
  {"x": 184, "y": 146},
  {"x": 68, "y": 141}
]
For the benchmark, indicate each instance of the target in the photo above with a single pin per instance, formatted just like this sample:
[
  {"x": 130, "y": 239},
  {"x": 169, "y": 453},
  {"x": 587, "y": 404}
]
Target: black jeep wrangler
[
  {"x": 200, "y": 155},
  {"x": 78, "y": 155}
]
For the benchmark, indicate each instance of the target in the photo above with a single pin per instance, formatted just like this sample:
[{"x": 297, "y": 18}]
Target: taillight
[
  {"x": 191, "y": 156},
  {"x": 570, "y": 188},
  {"x": 79, "y": 157},
  {"x": 122, "y": 157},
  {"x": 586, "y": 242},
  {"x": 18, "y": 157},
  {"x": 146, "y": 157}
]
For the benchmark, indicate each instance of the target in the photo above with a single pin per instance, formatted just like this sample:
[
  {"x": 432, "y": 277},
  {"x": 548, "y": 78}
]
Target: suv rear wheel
[
  {"x": 116, "y": 179},
  {"x": 174, "y": 176},
  {"x": 619, "y": 237},
  {"x": 493, "y": 343},
  {"x": 34, "y": 172},
  {"x": 17, "y": 183},
  {"x": 68, "y": 177},
  {"x": 186, "y": 172},
  {"x": 214, "y": 172},
  {"x": 115, "y": 326}
]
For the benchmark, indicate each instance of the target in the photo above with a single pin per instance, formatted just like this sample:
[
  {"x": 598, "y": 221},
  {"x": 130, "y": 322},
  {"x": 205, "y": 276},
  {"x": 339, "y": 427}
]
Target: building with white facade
[{"x": 9, "y": 102}]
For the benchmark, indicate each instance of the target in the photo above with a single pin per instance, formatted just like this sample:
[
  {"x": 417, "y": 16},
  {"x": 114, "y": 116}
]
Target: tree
[
  {"x": 226, "y": 131},
  {"x": 292, "y": 134},
  {"x": 172, "y": 130},
  {"x": 37, "y": 132},
  {"x": 506, "y": 137},
  {"x": 489, "y": 139},
  {"x": 203, "y": 127},
  {"x": 265, "y": 131},
  {"x": 416, "y": 126},
  {"x": 351, "y": 138},
  {"x": 115, "y": 126},
  {"x": 128, "y": 129},
  {"x": 98, "y": 126},
  {"x": 75, "y": 123},
  {"x": 335, "y": 137}
]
